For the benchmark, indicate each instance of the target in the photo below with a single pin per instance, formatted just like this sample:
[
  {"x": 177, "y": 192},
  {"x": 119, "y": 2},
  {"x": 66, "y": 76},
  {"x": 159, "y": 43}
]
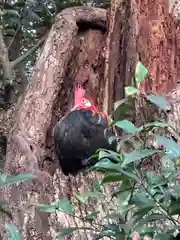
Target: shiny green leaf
[
  {"x": 65, "y": 232},
  {"x": 146, "y": 231},
  {"x": 130, "y": 91},
  {"x": 12, "y": 12},
  {"x": 123, "y": 109},
  {"x": 163, "y": 236},
  {"x": 140, "y": 73},
  {"x": 113, "y": 178},
  {"x": 47, "y": 208},
  {"x": 137, "y": 155},
  {"x": 65, "y": 206},
  {"x": 153, "y": 124},
  {"x": 154, "y": 179},
  {"x": 110, "y": 155},
  {"x": 127, "y": 126},
  {"x": 159, "y": 101},
  {"x": 141, "y": 200},
  {"x": 91, "y": 217},
  {"x": 13, "y": 232},
  {"x": 60, "y": 205},
  {"x": 150, "y": 218},
  {"x": 129, "y": 174},
  {"x": 84, "y": 197},
  {"x": 6, "y": 180},
  {"x": 173, "y": 148},
  {"x": 107, "y": 165}
]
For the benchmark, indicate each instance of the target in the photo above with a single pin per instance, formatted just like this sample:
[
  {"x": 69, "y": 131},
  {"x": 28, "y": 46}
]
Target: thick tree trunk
[
  {"x": 120, "y": 52},
  {"x": 68, "y": 56},
  {"x": 158, "y": 48},
  {"x": 158, "y": 43}
]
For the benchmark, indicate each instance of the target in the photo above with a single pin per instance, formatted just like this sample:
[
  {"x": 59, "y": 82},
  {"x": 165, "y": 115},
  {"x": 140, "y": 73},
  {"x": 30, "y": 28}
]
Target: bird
[{"x": 80, "y": 133}]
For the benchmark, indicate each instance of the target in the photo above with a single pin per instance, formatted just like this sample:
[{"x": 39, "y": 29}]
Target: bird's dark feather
[{"x": 77, "y": 136}]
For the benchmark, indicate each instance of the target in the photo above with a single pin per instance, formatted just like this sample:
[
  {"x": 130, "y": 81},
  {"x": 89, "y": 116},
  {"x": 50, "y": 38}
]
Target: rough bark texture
[
  {"x": 158, "y": 38},
  {"x": 120, "y": 56},
  {"x": 44, "y": 102},
  {"x": 158, "y": 43}
]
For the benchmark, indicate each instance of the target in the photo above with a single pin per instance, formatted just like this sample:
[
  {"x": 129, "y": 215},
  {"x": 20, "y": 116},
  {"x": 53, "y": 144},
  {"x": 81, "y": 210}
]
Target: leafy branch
[{"x": 17, "y": 61}]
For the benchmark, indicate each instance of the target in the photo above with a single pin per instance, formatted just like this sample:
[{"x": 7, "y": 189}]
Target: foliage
[
  {"x": 23, "y": 28},
  {"x": 6, "y": 180},
  {"x": 13, "y": 232},
  {"x": 23, "y": 23},
  {"x": 146, "y": 201}
]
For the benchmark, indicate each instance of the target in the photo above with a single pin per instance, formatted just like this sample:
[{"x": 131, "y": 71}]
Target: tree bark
[
  {"x": 68, "y": 56},
  {"x": 121, "y": 53}
]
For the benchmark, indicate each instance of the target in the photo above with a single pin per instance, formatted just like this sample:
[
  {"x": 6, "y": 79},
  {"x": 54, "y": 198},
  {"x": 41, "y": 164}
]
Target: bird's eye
[{"x": 86, "y": 102}]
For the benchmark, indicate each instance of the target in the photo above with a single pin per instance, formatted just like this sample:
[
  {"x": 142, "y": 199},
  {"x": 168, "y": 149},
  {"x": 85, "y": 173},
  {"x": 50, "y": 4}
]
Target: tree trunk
[
  {"x": 68, "y": 56},
  {"x": 158, "y": 48}
]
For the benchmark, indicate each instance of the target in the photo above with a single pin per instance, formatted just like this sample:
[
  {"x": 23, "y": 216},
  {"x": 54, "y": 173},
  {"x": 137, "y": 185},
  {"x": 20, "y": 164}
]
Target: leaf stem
[{"x": 165, "y": 211}]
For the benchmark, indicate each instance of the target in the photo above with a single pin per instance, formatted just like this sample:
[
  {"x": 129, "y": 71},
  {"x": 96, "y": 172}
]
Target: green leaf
[
  {"x": 174, "y": 209},
  {"x": 10, "y": 32},
  {"x": 137, "y": 155},
  {"x": 106, "y": 233},
  {"x": 130, "y": 91},
  {"x": 14, "y": 22},
  {"x": 113, "y": 178},
  {"x": 47, "y": 208},
  {"x": 147, "y": 231},
  {"x": 143, "y": 211},
  {"x": 123, "y": 109},
  {"x": 123, "y": 201},
  {"x": 84, "y": 197},
  {"x": 107, "y": 165},
  {"x": 176, "y": 190},
  {"x": 159, "y": 101},
  {"x": 173, "y": 175},
  {"x": 127, "y": 126},
  {"x": 141, "y": 200},
  {"x": 13, "y": 232},
  {"x": 60, "y": 205},
  {"x": 150, "y": 218},
  {"x": 12, "y": 12},
  {"x": 173, "y": 149},
  {"x": 154, "y": 179},
  {"x": 126, "y": 185},
  {"x": 33, "y": 16},
  {"x": 168, "y": 167},
  {"x": 140, "y": 73},
  {"x": 154, "y": 124},
  {"x": 6, "y": 180},
  {"x": 64, "y": 206},
  {"x": 91, "y": 217},
  {"x": 111, "y": 139},
  {"x": 109, "y": 154},
  {"x": 163, "y": 236},
  {"x": 66, "y": 231},
  {"x": 96, "y": 186},
  {"x": 129, "y": 174}
]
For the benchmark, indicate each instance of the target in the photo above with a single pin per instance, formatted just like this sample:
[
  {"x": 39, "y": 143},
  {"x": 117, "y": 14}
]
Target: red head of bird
[{"x": 83, "y": 101}]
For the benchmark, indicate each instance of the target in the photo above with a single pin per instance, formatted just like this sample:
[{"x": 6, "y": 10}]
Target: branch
[
  {"x": 28, "y": 53},
  {"x": 4, "y": 61},
  {"x": 13, "y": 38}
]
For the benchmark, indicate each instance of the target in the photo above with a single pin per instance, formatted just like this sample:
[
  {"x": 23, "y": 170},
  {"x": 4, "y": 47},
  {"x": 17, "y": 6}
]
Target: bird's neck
[{"x": 93, "y": 109}]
